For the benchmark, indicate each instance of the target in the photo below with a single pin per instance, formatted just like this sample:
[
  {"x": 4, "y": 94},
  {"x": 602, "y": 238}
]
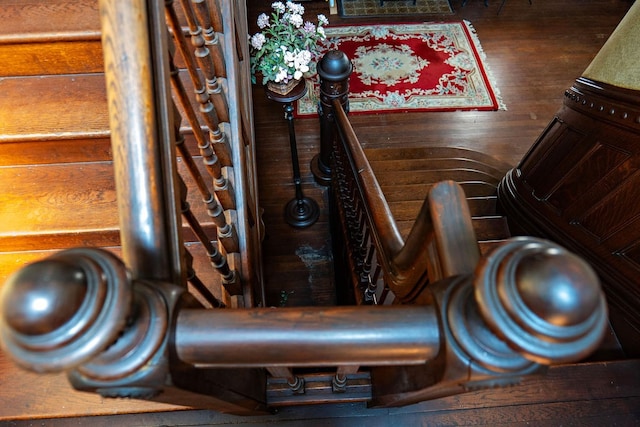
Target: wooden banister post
[{"x": 334, "y": 70}]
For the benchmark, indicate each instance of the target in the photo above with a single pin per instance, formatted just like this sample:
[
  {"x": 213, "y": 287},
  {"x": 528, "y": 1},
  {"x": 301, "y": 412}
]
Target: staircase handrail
[{"x": 429, "y": 253}]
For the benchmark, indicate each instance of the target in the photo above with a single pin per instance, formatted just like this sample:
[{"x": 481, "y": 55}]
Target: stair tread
[
  {"x": 431, "y": 176},
  {"x": 31, "y": 20},
  {"x": 51, "y": 57},
  {"x": 406, "y": 210},
  {"x": 439, "y": 155},
  {"x": 486, "y": 228},
  {"x": 72, "y": 204},
  {"x": 443, "y": 163},
  {"x": 30, "y": 107},
  {"x": 31, "y": 110},
  {"x": 420, "y": 190}
]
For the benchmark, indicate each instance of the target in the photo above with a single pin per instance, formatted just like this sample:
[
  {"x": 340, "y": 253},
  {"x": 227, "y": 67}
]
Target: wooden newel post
[{"x": 334, "y": 70}]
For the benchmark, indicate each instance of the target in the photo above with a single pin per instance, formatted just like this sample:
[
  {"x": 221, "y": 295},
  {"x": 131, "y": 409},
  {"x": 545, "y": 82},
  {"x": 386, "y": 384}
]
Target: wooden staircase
[
  {"x": 406, "y": 175},
  {"x": 56, "y": 170},
  {"x": 55, "y": 162}
]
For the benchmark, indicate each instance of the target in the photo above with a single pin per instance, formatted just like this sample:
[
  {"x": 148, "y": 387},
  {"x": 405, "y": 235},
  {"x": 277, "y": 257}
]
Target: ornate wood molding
[{"x": 579, "y": 185}]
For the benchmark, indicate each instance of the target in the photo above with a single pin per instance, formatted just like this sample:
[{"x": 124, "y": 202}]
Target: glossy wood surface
[{"x": 534, "y": 51}]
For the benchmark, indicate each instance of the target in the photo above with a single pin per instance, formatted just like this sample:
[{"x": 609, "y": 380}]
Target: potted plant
[{"x": 282, "y": 50}]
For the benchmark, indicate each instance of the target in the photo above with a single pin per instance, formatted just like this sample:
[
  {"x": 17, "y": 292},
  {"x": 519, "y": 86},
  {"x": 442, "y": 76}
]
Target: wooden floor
[{"x": 535, "y": 52}]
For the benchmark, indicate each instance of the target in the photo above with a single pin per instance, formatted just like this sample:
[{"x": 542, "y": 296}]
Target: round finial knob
[
  {"x": 334, "y": 66},
  {"x": 557, "y": 286},
  {"x": 544, "y": 301},
  {"x": 40, "y": 299},
  {"x": 60, "y": 312}
]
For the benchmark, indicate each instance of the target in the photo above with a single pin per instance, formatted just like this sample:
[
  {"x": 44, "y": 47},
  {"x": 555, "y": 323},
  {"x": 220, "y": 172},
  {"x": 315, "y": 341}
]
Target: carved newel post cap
[
  {"x": 560, "y": 289},
  {"x": 334, "y": 66},
  {"x": 40, "y": 299},
  {"x": 60, "y": 312},
  {"x": 543, "y": 300}
]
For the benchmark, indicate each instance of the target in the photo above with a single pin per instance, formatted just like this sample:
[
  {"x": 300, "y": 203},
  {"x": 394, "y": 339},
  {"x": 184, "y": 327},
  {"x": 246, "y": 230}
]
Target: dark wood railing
[
  {"x": 383, "y": 266},
  {"x": 131, "y": 328}
]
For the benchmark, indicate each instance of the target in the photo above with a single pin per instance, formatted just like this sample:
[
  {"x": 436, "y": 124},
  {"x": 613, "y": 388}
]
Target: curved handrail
[{"x": 442, "y": 241}]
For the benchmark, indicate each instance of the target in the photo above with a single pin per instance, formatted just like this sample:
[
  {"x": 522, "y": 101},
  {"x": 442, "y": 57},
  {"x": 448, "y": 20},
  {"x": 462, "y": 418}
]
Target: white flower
[
  {"x": 304, "y": 56},
  {"x": 296, "y": 20},
  {"x": 281, "y": 76},
  {"x": 295, "y": 8},
  {"x": 297, "y": 75},
  {"x": 278, "y": 6},
  {"x": 322, "y": 19},
  {"x": 258, "y": 40},
  {"x": 289, "y": 58},
  {"x": 263, "y": 20}
]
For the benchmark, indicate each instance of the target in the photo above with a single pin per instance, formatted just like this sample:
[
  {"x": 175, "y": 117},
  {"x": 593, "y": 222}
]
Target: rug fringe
[{"x": 487, "y": 68}]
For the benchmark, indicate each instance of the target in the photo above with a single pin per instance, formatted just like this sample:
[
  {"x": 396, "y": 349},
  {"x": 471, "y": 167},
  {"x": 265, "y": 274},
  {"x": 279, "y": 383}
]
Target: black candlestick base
[{"x": 301, "y": 213}]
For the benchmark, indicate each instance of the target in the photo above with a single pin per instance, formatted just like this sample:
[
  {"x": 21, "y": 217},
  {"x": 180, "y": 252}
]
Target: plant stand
[{"x": 301, "y": 211}]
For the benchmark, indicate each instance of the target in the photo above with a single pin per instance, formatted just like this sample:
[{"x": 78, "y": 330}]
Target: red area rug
[{"x": 410, "y": 67}]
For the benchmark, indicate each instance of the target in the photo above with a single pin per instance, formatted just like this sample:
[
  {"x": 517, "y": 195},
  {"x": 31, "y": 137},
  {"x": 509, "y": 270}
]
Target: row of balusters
[
  {"x": 366, "y": 272},
  {"x": 205, "y": 65}
]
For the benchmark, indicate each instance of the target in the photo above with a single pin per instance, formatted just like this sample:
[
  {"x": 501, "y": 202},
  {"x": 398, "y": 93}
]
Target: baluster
[
  {"x": 370, "y": 294},
  {"x": 295, "y": 383},
  {"x": 339, "y": 382},
  {"x": 218, "y": 261},
  {"x": 204, "y": 16},
  {"x": 226, "y": 232},
  {"x": 222, "y": 186},
  {"x": 216, "y": 17},
  {"x": 198, "y": 285},
  {"x": 205, "y": 62}
]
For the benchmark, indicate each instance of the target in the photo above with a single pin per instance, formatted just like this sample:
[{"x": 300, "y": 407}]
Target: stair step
[
  {"x": 408, "y": 210},
  {"x": 438, "y": 155},
  {"x": 53, "y": 108},
  {"x": 432, "y": 176},
  {"x": 420, "y": 190},
  {"x": 418, "y": 164},
  {"x": 39, "y": 20},
  {"x": 406, "y": 175},
  {"x": 43, "y": 37},
  {"x": 58, "y": 206}
]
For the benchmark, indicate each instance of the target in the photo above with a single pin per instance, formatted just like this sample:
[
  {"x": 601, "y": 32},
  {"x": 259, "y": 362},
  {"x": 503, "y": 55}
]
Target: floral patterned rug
[{"x": 410, "y": 67}]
